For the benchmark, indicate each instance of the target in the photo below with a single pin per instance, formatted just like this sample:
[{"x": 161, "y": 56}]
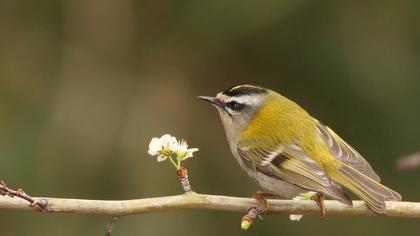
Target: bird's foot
[
  {"x": 319, "y": 199},
  {"x": 261, "y": 197}
]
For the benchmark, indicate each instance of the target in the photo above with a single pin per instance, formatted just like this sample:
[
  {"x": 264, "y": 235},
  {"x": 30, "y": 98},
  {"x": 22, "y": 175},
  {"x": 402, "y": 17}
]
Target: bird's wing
[
  {"x": 291, "y": 164},
  {"x": 345, "y": 153}
]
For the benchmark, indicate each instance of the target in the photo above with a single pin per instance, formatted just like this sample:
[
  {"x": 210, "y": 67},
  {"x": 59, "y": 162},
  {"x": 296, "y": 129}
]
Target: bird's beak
[{"x": 212, "y": 100}]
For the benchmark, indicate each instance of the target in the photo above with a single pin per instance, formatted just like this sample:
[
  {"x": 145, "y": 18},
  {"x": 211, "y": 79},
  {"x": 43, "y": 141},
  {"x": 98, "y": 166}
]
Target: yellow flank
[
  {"x": 307, "y": 196},
  {"x": 291, "y": 125}
]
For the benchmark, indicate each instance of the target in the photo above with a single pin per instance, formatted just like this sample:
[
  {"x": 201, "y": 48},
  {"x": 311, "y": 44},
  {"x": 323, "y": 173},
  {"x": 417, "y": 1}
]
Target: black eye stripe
[{"x": 235, "y": 106}]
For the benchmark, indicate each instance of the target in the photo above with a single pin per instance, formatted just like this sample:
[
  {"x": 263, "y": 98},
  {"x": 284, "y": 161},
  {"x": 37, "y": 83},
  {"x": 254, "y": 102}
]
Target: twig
[
  {"x": 182, "y": 175},
  {"x": 6, "y": 191},
  {"x": 110, "y": 225},
  {"x": 209, "y": 202},
  {"x": 248, "y": 219}
]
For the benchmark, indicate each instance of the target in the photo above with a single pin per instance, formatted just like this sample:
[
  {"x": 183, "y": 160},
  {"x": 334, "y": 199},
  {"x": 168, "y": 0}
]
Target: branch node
[{"x": 6, "y": 191}]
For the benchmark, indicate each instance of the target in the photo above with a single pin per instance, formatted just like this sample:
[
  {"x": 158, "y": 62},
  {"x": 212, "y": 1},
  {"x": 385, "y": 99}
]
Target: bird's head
[{"x": 237, "y": 105}]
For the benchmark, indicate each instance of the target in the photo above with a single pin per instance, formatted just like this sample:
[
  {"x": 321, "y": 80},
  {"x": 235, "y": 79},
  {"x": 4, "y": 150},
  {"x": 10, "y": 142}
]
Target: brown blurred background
[{"x": 85, "y": 85}]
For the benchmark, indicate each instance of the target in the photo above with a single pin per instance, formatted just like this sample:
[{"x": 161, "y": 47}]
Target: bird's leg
[
  {"x": 261, "y": 197},
  {"x": 319, "y": 199}
]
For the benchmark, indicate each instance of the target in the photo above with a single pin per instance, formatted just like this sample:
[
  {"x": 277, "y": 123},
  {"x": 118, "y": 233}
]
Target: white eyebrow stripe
[{"x": 245, "y": 99}]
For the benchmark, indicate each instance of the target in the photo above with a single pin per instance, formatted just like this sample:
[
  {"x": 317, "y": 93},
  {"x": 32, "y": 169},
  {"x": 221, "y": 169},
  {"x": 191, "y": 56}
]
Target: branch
[
  {"x": 208, "y": 202},
  {"x": 6, "y": 191}
]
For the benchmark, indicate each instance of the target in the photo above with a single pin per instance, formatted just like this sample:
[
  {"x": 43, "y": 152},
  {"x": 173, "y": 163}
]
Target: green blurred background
[{"x": 85, "y": 85}]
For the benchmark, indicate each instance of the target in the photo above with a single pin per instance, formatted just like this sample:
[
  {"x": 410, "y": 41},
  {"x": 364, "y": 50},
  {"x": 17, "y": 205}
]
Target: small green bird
[{"x": 290, "y": 154}]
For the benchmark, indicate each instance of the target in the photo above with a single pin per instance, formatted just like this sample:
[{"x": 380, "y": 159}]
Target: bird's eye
[{"x": 235, "y": 106}]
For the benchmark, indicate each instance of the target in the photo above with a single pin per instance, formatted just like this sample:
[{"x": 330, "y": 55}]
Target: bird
[{"x": 292, "y": 155}]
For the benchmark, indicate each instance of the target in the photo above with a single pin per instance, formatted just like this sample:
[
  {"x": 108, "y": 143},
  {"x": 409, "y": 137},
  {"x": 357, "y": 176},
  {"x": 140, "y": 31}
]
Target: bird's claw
[
  {"x": 319, "y": 199},
  {"x": 261, "y": 197}
]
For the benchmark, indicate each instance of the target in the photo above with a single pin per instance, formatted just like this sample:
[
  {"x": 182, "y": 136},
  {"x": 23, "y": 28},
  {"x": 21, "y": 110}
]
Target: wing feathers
[
  {"x": 309, "y": 175},
  {"x": 345, "y": 153},
  {"x": 372, "y": 192},
  {"x": 299, "y": 170}
]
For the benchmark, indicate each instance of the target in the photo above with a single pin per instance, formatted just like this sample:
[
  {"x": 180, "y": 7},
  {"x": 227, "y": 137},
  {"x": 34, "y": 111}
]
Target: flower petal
[
  {"x": 152, "y": 153},
  {"x": 191, "y": 151},
  {"x": 183, "y": 145},
  {"x": 173, "y": 144},
  {"x": 161, "y": 158},
  {"x": 165, "y": 138},
  {"x": 169, "y": 142},
  {"x": 154, "y": 146}
]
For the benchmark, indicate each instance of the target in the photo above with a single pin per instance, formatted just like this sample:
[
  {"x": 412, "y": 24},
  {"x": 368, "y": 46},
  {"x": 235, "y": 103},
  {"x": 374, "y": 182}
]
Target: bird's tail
[{"x": 372, "y": 192}]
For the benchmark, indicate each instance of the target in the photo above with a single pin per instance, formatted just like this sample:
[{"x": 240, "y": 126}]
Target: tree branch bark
[{"x": 209, "y": 202}]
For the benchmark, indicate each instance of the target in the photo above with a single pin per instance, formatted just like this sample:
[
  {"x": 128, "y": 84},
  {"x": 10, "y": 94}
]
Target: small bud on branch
[{"x": 6, "y": 191}]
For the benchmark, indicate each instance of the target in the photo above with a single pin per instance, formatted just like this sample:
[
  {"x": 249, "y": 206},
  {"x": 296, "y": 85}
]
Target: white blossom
[
  {"x": 155, "y": 146},
  {"x": 169, "y": 142},
  {"x": 162, "y": 147},
  {"x": 167, "y": 146},
  {"x": 182, "y": 151}
]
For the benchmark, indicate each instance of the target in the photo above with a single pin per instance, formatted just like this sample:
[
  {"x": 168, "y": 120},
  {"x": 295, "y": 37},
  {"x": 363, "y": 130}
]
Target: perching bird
[{"x": 291, "y": 154}]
